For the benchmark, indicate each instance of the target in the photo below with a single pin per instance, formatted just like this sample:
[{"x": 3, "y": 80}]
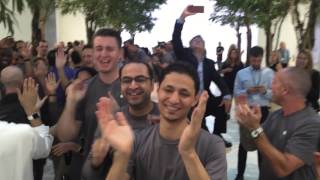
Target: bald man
[
  {"x": 10, "y": 107},
  {"x": 290, "y": 135}
]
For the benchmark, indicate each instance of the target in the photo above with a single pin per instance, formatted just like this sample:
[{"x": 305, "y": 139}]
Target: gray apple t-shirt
[{"x": 155, "y": 158}]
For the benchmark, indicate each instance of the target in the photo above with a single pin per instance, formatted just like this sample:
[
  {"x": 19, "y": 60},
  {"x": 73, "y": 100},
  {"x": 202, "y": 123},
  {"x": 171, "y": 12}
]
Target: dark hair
[
  {"x": 150, "y": 71},
  {"x": 76, "y": 43},
  {"x": 182, "y": 68},
  {"x": 16, "y": 43},
  {"x": 87, "y": 46},
  {"x": 51, "y": 56},
  {"x": 75, "y": 57},
  {"x": 35, "y": 62},
  {"x": 89, "y": 70},
  {"x": 106, "y": 32},
  {"x": 256, "y": 51}
]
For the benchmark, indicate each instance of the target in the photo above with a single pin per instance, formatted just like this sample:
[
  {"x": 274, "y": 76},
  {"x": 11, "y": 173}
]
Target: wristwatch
[
  {"x": 255, "y": 133},
  {"x": 34, "y": 116}
]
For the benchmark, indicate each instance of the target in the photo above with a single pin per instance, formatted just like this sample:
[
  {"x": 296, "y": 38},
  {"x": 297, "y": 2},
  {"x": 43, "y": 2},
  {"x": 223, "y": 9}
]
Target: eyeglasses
[{"x": 137, "y": 79}]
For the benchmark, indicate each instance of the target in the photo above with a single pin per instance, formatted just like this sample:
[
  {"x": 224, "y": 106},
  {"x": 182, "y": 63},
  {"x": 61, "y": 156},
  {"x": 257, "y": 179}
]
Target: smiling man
[
  {"x": 176, "y": 148},
  {"x": 136, "y": 78},
  {"x": 82, "y": 97}
]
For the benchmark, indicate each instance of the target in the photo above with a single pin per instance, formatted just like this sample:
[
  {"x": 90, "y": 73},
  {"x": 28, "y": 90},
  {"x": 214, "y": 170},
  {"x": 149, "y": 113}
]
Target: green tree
[
  {"x": 236, "y": 14},
  {"x": 133, "y": 16},
  {"x": 40, "y": 10},
  {"x": 7, "y": 13},
  {"x": 264, "y": 13}
]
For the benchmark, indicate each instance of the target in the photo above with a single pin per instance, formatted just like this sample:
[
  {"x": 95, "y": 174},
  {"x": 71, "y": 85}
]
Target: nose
[{"x": 174, "y": 98}]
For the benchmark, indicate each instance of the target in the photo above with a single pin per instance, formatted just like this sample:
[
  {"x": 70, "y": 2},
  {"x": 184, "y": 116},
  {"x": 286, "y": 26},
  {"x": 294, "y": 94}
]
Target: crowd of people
[{"x": 90, "y": 109}]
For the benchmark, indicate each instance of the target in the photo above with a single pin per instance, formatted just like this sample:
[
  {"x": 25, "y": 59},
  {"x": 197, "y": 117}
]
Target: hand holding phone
[{"x": 196, "y": 9}]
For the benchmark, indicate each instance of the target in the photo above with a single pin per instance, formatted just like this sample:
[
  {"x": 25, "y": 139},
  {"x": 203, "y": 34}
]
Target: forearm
[
  {"x": 64, "y": 80},
  {"x": 67, "y": 127},
  {"x": 278, "y": 160},
  {"x": 194, "y": 167},
  {"x": 119, "y": 166}
]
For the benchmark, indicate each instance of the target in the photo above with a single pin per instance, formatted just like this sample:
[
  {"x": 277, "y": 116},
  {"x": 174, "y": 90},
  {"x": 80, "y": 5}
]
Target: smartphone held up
[{"x": 196, "y": 9}]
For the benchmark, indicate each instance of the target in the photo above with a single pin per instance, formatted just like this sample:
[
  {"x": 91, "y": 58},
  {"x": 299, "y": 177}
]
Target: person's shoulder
[
  {"x": 206, "y": 138},
  {"x": 244, "y": 70}
]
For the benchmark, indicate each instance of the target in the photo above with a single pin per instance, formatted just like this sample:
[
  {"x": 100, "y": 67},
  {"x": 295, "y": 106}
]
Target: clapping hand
[
  {"x": 190, "y": 134},
  {"x": 114, "y": 130}
]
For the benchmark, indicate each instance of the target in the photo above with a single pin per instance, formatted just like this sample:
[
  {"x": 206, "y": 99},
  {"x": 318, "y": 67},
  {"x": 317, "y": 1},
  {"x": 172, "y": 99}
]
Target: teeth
[{"x": 171, "y": 108}]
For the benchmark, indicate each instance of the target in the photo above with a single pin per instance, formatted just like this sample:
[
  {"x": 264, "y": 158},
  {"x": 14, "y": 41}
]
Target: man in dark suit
[{"x": 219, "y": 104}]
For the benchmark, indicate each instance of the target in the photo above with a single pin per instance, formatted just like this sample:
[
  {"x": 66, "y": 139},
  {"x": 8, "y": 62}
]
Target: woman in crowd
[
  {"x": 231, "y": 66},
  {"x": 304, "y": 60}
]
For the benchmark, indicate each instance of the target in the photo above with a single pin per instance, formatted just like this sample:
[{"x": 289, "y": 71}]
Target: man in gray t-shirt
[
  {"x": 289, "y": 136},
  {"x": 177, "y": 148},
  {"x": 136, "y": 82}
]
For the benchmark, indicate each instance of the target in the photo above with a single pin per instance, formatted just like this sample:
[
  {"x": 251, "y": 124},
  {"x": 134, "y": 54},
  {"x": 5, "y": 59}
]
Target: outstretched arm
[
  {"x": 182, "y": 53},
  {"x": 68, "y": 127}
]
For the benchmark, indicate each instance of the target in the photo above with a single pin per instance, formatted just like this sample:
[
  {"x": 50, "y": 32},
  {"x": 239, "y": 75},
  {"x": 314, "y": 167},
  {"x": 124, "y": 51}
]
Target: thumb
[{"x": 41, "y": 102}]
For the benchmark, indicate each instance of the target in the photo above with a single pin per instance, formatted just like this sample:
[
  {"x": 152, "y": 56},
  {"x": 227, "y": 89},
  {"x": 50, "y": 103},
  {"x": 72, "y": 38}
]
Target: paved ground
[{"x": 232, "y": 135}]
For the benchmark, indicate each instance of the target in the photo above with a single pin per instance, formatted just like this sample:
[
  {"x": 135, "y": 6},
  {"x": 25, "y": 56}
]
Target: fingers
[
  {"x": 103, "y": 113},
  {"x": 198, "y": 112},
  {"x": 121, "y": 119}
]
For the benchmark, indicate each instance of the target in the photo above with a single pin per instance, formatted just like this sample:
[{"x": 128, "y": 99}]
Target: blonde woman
[{"x": 304, "y": 61}]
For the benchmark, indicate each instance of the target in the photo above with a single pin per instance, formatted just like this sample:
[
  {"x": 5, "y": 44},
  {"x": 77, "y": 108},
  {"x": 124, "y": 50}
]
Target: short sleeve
[
  {"x": 216, "y": 163},
  {"x": 304, "y": 142}
]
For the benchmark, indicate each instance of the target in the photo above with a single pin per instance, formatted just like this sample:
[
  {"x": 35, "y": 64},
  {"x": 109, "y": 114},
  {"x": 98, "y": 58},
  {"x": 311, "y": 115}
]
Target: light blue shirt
[{"x": 247, "y": 78}]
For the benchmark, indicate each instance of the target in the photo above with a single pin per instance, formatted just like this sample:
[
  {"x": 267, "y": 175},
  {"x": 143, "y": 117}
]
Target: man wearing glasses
[{"x": 136, "y": 82}]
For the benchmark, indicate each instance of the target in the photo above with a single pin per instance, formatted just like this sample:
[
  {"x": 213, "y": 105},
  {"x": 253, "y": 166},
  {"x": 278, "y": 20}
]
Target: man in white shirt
[{"x": 21, "y": 143}]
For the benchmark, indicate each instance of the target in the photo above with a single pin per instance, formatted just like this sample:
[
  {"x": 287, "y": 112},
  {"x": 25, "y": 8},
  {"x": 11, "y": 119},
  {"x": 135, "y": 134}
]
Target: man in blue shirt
[{"x": 253, "y": 82}]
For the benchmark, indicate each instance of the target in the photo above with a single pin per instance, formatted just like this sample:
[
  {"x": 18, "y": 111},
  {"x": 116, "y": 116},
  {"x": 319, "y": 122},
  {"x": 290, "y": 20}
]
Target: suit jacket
[{"x": 209, "y": 72}]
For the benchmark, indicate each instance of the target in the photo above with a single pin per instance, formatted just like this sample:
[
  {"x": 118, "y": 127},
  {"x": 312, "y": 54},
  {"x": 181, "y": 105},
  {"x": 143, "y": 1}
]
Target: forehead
[
  {"x": 179, "y": 82},
  {"x": 134, "y": 69},
  {"x": 43, "y": 43},
  {"x": 105, "y": 41},
  {"x": 258, "y": 58},
  {"x": 87, "y": 50}
]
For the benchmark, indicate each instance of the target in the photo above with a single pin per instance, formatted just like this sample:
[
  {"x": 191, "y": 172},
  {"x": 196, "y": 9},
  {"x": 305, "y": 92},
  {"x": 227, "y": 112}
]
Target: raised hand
[
  {"x": 250, "y": 118},
  {"x": 115, "y": 130},
  {"x": 115, "y": 105},
  {"x": 190, "y": 134},
  {"x": 61, "y": 58},
  {"x": 51, "y": 83},
  {"x": 26, "y": 51},
  {"x": 186, "y": 13},
  {"x": 29, "y": 96},
  {"x": 76, "y": 91}
]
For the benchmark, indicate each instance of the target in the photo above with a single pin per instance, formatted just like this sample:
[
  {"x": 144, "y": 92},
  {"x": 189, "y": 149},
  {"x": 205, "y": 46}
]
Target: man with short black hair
[{"x": 177, "y": 148}]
